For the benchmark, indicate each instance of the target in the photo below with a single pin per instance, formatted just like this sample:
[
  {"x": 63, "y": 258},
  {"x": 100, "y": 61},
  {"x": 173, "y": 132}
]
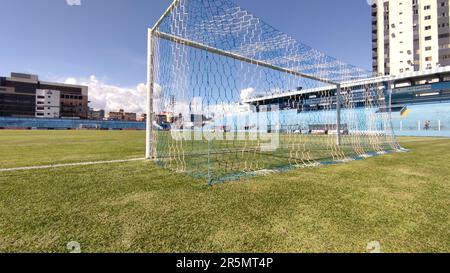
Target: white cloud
[
  {"x": 133, "y": 99},
  {"x": 247, "y": 93},
  {"x": 73, "y": 2},
  {"x": 113, "y": 98},
  {"x": 71, "y": 81}
]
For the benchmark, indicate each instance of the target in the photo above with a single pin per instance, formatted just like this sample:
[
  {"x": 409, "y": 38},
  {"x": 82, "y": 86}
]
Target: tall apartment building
[
  {"x": 21, "y": 96},
  {"x": 410, "y": 35}
]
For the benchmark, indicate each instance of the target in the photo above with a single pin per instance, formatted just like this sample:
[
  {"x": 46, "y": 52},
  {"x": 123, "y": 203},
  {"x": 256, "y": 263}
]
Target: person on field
[{"x": 427, "y": 125}]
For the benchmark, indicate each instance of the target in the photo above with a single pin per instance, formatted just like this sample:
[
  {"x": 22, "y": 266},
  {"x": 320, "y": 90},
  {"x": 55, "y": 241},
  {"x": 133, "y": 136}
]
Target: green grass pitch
[{"x": 400, "y": 200}]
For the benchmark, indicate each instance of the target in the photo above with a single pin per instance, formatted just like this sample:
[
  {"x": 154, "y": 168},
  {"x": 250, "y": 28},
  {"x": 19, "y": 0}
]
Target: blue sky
[{"x": 107, "y": 38}]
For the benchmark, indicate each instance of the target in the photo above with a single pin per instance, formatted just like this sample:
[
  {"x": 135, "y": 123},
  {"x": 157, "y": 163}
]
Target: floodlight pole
[
  {"x": 338, "y": 114},
  {"x": 149, "y": 149}
]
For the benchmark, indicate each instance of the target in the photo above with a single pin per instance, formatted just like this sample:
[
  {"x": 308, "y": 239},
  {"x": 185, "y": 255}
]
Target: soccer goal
[{"x": 231, "y": 96}]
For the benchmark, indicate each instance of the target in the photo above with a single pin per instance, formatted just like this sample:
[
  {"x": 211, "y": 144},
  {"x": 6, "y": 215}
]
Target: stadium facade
[{"x": 420, "y": 102}]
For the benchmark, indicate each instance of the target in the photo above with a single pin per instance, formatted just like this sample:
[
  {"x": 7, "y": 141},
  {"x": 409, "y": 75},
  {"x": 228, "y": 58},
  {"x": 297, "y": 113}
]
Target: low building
[
  {"x": 122, "y": 115},
  {"x": 142, "y": 118},
  {"x": 96, "y": 114},
  {"x": 19, "y": 91},
  {"x": 130, "y": 116}
]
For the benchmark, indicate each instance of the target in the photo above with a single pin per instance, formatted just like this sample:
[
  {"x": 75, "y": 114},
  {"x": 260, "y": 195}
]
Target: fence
[{"x": 68, "y": 124}]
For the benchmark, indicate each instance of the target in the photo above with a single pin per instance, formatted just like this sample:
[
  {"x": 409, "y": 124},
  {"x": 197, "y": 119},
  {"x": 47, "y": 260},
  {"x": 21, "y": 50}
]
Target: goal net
[{"x": 231, "y": 96}]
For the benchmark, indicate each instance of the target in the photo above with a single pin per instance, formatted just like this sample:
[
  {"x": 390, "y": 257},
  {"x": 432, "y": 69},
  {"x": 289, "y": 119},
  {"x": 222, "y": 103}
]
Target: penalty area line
[{"x": 70, "y": 165}]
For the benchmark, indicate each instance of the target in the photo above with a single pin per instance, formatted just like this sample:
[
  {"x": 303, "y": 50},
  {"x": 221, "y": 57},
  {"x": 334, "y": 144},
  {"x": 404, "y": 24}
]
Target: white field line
[{"x": 70, "y": 165}]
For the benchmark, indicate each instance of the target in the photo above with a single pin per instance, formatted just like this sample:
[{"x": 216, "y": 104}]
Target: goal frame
[{"x": 152, "y": 32}]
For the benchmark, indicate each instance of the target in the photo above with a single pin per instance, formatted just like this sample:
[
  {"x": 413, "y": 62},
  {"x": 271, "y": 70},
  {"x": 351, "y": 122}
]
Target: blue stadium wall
[
  {"x": 353, "y": 120},
  {"x": 68, "y": 124},
  {"x": 419, "y": 111},
  {"x": 412, "y": 122},
  {"x": 409, "y": 122}
]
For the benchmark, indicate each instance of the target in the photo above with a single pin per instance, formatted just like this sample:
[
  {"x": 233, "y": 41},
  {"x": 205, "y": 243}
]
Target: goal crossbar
[{"x": 166, "y": 13}]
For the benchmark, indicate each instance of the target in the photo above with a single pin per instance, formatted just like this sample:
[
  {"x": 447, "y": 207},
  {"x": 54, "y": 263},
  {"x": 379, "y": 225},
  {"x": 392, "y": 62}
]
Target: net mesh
[{"x": 233, "y": 96}]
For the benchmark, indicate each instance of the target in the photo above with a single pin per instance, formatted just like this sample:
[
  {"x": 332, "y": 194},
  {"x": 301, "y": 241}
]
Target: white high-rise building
[
  {"x": 48, "y": 103},
  {"x": 410, "y": 35}
]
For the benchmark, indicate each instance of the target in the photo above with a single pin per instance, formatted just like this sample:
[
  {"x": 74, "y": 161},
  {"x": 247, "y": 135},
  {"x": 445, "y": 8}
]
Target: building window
[
  {"x": 427, "y": 7},
  {"x": 427, "y": 27},
  {"x": 428, "y": 17},
  {"x": 428, "y": 59},
  {"x": 428, "y": 38},
  {"x": 428, "y": 48}
]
